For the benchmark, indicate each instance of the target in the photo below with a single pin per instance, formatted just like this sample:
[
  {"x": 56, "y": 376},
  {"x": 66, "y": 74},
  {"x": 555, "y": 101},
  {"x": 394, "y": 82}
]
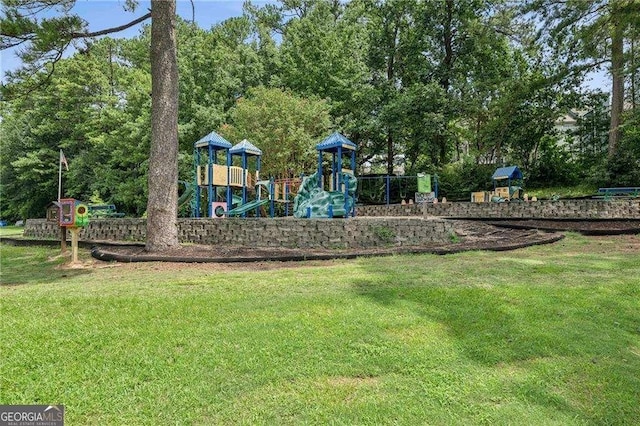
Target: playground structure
[
  {"x": 503, "y": 175},
  {"x": 313, "y": 201},
  {"x": 247, "y": 180},
  {"x": 283, "y": 192},
  {"x": 218, "y": 180},
  {"x": 212, "y": 176}
]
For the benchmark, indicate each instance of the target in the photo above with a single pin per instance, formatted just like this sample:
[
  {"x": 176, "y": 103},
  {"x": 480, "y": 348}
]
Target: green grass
[
  {"x": 11, "y": 231},
  {"x": 544, "y": 335},
  {"x": 562, "y": 192}
]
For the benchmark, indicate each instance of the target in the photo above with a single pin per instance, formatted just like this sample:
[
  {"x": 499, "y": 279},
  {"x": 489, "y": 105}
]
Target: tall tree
[
  {"x": 323, "y": 53},
  {"x": 388, "y": 21},
  {"x": 45, "y": 41},
  {"x": 586, "y": 34},
  {"x": 162, "y": 204},
  {"x": 286, "y": 127}
]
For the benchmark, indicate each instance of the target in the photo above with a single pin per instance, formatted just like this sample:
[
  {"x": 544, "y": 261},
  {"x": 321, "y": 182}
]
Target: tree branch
[{"x": 111, "y": 30}]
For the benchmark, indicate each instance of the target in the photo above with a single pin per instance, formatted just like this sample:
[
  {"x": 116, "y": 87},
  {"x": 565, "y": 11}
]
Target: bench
[{"x": 628, "y": 192}]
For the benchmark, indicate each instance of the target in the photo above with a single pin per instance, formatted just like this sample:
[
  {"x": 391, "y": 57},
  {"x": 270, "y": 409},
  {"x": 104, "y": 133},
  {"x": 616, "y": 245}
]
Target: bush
[
  {"x": 624, "y": 168},
  {"x": 458, "y": 180},
  {"x": 553, "y": 167}
]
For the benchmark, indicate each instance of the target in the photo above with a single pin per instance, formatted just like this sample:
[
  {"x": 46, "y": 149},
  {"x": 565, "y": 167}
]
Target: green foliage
[
  {"x": 97, "y": 110},
  {"x": 384, "y": 234},
  {"x": 458, "y": 180},
  {"x": 548, "y": 192},
  {"x": 446, "y": 86},
  {"x": 284, "y": 126},
  {"x": 624, "y": 168},
  {"x": 553, "y": 166}
]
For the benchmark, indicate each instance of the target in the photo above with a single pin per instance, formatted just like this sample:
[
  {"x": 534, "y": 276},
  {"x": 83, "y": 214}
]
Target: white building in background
[
  {"x": 568, "y": 126},
  {"x": 378, "y": 164}
]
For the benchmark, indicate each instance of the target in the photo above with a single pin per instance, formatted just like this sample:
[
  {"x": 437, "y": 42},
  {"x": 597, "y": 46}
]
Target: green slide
[
  {"x": 186, "y": 195},
  {"x": 246, "y": 207}
]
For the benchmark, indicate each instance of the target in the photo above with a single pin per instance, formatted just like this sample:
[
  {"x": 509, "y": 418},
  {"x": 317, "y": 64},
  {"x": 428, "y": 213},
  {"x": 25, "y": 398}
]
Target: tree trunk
[
  {"x": 391, "y": 84},
  {"x": 617, "y": 92},
  {"x": 634, "y": 73},
  {"x": 447, "y": 41},
  {"x": 162, "y": 204},
  {"x": 390, "y": 154}
]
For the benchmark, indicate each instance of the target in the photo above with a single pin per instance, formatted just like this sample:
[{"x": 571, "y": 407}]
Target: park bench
[
  {"x": 609, "y": 193},
  {"x": 103, "y": 210}
]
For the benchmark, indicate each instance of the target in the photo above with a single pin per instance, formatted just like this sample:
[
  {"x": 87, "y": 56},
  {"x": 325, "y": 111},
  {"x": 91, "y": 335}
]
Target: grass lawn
[
  {"x": 543, "y": 335},
  {"x": 562, "y": 191},
  {"x": 11, "y": 231}
]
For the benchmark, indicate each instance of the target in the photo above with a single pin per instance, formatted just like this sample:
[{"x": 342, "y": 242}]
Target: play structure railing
[
  {"x": 234, "y": 175},
  {"x": 285, "y": 189},
  {"x": 348, "y": 171}
]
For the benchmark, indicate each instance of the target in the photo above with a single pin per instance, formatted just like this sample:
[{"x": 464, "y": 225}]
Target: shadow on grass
[
  {"x": 536, "y": 330},
  {"x": 478, "y": 319},
  {"x": 33, "y": 265}
]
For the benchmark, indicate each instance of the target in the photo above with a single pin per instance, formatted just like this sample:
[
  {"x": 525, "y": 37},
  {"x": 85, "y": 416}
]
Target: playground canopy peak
[
  {"x": 335, "y": 141},
  {"x": 213, "y": 139},
  {"x": 245, "y": 147},
  {"x": 511, "y": 172}
]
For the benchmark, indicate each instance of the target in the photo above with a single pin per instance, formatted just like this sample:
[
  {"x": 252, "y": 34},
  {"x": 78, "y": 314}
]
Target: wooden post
[
  {"x": 75, "y": 232},
  {"x": 63, "y": 239}
]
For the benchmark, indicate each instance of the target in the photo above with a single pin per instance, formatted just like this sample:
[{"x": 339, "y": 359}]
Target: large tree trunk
[
  {"x": 162, "y": 204},
  {"x": 617, "y": 92}
]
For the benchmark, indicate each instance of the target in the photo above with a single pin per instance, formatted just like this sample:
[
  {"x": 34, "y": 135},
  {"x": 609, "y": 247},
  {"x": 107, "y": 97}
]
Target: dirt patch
[{"x": 341, "y": 381}]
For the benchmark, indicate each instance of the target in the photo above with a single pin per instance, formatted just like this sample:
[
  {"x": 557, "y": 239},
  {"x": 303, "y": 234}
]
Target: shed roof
[
  {"x": 510, "y": 172},
  {"x": 245, "y": 147},
  {"x": 213, "y": 139},
  {"x": 335, "y": 140}
]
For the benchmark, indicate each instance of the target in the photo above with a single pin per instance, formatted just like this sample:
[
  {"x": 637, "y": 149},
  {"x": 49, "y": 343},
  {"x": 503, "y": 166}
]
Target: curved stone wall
[
  {"x": 561, "y": 209},
  {"x": 374, "y": 226},
  {"x": 265, "y": 232}
]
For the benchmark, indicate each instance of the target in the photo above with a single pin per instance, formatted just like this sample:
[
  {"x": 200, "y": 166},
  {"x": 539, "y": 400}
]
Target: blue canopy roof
[
  {"x": 335, "y": 140},
  {"x": 213, "y": 139},
  {"x": 245, "y": 147},
  {"x": 511, "y": 172}
]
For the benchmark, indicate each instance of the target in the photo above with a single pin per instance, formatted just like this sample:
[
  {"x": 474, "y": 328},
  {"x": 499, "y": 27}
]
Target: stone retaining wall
[
  {"x": 276, "y": 232},
  {"x": 561, "y": 209},
  {"x": 374, "y": 226}
]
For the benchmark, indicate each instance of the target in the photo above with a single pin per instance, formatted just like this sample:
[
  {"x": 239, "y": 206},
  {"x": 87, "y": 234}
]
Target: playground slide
[
  {"x": 246, "y": 207},
  {"x": 314, "y": 202},
  {"x": 186, "y": 195}
]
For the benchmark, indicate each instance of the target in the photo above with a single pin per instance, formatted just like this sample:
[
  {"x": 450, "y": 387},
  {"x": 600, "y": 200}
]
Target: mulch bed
[
  {"x": 493, "y": 235},
  {"x": 470, "y": 235},
  {"x": 585, "y": 227}
]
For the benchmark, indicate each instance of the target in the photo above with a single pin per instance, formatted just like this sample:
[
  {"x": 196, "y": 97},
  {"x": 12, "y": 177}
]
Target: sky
[{"x": 101, "y": 14}]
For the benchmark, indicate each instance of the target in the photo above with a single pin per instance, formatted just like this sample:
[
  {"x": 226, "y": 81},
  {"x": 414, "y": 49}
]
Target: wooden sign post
[{"x": 75, "y": 233}]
